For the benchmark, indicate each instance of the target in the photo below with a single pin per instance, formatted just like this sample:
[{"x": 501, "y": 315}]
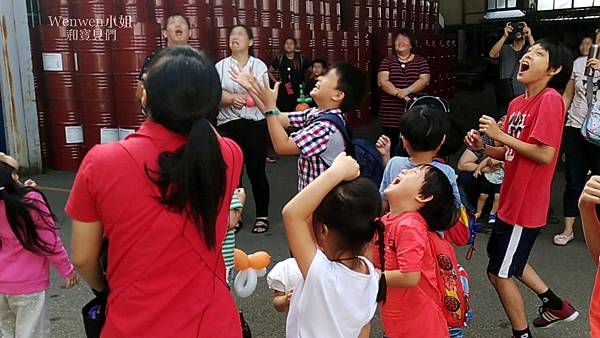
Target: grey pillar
[{"x": 16, "y": 87}]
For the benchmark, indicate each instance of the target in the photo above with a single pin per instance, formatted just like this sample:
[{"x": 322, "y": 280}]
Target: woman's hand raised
[{"x": 264, "y": 97}]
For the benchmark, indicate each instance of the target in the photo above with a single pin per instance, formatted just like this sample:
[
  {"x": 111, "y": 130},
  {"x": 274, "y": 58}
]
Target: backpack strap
[
  {"x": 338, "y": 123},
  {"x": 436, "y": 292},
  {"x": 590, "y": 92}
]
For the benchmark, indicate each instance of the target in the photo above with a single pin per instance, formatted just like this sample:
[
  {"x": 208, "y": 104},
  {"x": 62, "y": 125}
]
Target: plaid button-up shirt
[{"x": 312, "y": 140}]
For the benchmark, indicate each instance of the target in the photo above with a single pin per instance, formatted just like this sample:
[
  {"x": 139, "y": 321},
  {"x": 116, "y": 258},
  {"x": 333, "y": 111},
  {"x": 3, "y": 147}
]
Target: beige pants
[{"x": 24, "y": 316}]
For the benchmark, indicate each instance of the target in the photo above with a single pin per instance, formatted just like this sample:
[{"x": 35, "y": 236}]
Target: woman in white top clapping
[{"x": 240, "y": 120}]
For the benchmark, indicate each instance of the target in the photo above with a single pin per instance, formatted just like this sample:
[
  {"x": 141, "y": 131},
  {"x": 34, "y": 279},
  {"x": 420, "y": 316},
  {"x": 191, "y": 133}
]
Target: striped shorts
[{"x": 509, "y": 248}]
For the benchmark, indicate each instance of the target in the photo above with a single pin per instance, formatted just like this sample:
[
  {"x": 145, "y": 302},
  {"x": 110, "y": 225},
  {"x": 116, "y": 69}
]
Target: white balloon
[
  {"x": 262, "y": 272},
  {"x": 245, "y": 283}
]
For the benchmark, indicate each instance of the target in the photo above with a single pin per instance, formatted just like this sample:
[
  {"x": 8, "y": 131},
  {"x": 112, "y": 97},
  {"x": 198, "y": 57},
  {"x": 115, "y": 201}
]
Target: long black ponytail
[
  {"x": 19, "y": 210},
  {"x": 382, "y": 292},
  {"x": 184, "y": 92}
]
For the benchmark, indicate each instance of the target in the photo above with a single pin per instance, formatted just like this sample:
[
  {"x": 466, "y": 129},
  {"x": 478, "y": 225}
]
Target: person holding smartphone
[{"x": 509, "y": 56}]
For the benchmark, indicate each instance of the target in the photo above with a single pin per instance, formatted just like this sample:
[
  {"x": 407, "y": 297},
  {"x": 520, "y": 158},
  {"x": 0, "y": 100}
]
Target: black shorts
[
  {"x": 488, "y": 187},
  {"x": 509, "y": 248}
]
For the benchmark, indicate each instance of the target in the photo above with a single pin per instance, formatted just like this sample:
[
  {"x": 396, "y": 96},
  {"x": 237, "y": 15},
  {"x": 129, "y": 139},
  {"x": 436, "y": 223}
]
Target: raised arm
[
  {"x": 383, "y": 145},
  {"x": 528, "y": 35},
  {"x": 297, "y": 214},
  {"x": 266, "y": 100},
  {"x": 495, "y": 51}
]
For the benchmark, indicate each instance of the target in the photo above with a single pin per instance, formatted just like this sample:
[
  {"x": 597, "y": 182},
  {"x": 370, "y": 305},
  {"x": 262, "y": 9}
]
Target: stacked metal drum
[
  {"x": 60, "y": 120},
  {"x": 86, "y": 72},
  {"x": 129, "y": 51}
]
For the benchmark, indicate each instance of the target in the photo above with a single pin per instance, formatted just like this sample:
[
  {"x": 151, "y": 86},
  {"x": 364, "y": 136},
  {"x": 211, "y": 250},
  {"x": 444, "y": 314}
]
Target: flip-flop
[
  {"x": 562, "y": 240},
  {"x": 261, "y": 226}
]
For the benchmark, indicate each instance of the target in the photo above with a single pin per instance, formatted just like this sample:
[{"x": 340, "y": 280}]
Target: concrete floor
[{"x": 568, "y": 270}]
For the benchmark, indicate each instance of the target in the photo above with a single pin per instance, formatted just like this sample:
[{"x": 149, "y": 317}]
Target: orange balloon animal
[{"x": 302, "y": 106}]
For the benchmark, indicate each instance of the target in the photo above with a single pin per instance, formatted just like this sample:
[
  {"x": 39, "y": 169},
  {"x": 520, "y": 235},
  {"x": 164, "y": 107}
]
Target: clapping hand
[
  {"x": 383, "y": 145},
  {"x": 473, "y": 140},
  {"x": 489, "y": 126},
  {"x": 264, "y": 97}
]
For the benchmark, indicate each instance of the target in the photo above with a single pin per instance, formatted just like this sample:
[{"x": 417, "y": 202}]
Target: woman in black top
[{"x": 290, "y": 68}]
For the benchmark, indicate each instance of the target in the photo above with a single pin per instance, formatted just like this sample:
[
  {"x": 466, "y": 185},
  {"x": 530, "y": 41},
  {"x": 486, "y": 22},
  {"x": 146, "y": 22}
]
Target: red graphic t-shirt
[{"x": 526, "y": 188}]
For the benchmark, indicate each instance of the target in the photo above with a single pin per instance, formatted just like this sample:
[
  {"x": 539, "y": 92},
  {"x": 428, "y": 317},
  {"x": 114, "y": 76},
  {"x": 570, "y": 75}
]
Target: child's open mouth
[
  {"x": 178, "y": 32},
  {"x": 524, "y": 67}
]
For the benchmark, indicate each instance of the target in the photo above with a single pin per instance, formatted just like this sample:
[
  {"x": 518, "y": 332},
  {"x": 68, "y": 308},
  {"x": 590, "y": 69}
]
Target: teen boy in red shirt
[{"x": 531, "y": 140}]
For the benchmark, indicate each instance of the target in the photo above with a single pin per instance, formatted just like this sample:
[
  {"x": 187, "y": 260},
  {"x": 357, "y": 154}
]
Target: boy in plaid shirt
[{"x": 317, "y": 142}]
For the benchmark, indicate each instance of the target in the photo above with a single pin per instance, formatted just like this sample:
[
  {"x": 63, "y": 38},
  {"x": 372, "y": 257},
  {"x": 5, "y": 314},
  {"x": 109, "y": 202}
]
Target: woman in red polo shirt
[{"x": 161, "y": 197}]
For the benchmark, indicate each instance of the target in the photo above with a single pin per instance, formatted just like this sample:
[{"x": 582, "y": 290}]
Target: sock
[
  {"x": 522, "y": 333},
  {"x": 550, "y": 300}
]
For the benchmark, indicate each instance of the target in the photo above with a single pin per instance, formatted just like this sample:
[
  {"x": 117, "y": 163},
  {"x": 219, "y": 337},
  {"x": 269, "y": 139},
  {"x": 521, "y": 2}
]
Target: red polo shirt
[{"x": 160, "y": 271}]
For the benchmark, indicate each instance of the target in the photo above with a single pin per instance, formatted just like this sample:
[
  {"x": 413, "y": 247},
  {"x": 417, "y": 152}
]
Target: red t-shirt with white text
[{"x": 525, "y": 192}]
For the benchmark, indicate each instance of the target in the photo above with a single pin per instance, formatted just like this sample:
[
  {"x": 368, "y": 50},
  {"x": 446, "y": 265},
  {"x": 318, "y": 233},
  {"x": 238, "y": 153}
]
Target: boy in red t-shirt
[
  {"x": 421, "y": 202},
  {"x": 531, "y": 140},
  {"x": 589, "y": 206}
]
